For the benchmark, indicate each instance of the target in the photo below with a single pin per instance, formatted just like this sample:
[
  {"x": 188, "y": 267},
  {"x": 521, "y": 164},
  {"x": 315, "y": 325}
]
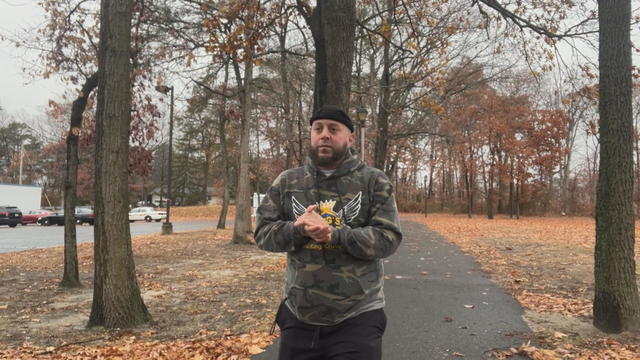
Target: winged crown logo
[{"x": 345, "y": 215}]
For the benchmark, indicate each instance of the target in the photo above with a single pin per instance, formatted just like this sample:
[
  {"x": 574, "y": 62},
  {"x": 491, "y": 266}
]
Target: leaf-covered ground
[
  {"x": 202, "y": 212},
  {"x": 209, "y": 300},
  {"x": 547, "y": 265},
  {"x": 214, "y": 300}
]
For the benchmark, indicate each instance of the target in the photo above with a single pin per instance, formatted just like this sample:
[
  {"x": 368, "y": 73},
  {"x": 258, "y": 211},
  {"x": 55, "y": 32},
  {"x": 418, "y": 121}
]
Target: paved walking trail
[{"x": 440, "y": 305}]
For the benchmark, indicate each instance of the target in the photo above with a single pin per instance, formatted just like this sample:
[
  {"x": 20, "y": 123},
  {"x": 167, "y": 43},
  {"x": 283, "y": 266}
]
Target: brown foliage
[{"x": 226, "y": 347}]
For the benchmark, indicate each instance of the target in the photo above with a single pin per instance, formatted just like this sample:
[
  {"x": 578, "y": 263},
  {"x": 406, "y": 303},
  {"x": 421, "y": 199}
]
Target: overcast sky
[{"x": 18, "y": 94}]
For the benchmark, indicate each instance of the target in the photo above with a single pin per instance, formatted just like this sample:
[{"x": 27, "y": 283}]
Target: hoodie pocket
[{"x": 324, "y": 294}]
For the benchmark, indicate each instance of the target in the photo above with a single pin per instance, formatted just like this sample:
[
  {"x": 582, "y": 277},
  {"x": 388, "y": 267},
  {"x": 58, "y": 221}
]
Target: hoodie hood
[{"x": 350, "y": 164}]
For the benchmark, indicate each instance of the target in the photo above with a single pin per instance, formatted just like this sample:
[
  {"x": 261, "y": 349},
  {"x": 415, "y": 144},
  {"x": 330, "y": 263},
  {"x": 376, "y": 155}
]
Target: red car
[{"x": 32, "y": 216}]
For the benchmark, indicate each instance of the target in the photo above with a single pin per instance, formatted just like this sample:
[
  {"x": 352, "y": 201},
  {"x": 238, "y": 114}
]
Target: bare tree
[
  {"x": 117, "y": 302},
  {"x": 70, "y": 276},
  {"x": 333, "y": 26},
  {"x": 616, "y": 306},
  {"x": 242, "y": 226}
]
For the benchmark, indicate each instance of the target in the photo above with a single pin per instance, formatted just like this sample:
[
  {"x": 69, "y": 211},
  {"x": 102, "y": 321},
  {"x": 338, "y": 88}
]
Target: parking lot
[{"x": 35, "y": 237}]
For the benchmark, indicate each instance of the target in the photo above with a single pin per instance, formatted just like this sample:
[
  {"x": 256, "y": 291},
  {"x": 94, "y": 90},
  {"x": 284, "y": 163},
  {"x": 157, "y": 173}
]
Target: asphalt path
[
  {"x": 440, "y": 304},
  {"x": 36, "y": 237}
]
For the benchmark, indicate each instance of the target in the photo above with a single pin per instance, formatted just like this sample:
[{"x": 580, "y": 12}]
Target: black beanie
[{"x": 332, "y": 112}]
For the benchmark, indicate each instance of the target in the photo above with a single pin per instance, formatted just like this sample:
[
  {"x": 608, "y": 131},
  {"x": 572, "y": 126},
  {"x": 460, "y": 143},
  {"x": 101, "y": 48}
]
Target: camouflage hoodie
[{"x": 328, "y": 283}]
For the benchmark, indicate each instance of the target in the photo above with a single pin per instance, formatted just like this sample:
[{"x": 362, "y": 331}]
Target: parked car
[
  {"x": 32, "y": 216},
  {"x": 147, "y": 214},
  {"x": 84, "y": 216},
  {"x": 56, "y": 218},
  {"x": 10, "y": 215}
]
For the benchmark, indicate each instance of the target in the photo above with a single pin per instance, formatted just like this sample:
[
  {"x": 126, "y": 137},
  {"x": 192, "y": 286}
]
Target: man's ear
[{"x": 352, "y": 138}]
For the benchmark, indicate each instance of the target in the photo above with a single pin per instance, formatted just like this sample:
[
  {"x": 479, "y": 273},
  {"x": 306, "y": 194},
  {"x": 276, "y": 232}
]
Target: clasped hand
[{"x": 314, "y": 225}]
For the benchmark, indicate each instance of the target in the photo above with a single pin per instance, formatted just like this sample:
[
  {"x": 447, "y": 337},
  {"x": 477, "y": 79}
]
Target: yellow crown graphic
[{"x": 326, "y": 207}]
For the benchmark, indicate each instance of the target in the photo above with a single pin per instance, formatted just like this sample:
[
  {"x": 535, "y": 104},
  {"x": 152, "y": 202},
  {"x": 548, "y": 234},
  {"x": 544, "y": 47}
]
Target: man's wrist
[
  {"x": 299, "y": 230},
  {"x": 333, "y": 236}
]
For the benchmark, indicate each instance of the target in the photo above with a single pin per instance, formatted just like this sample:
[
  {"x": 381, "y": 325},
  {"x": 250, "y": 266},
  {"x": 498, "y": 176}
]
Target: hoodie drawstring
[{"x": 275, "y": 320}]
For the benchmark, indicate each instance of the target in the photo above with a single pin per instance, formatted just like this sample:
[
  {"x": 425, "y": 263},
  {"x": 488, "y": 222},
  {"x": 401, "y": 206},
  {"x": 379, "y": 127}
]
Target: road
[{"x": 35, "y": 237}]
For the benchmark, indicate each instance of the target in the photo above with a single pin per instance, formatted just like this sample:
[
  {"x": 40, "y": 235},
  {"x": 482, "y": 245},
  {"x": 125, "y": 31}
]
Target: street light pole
[{"x": 167, "y": 226}]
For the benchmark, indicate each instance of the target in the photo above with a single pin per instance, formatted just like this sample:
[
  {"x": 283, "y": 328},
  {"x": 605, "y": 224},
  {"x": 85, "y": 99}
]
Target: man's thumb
[{"x": 311, "y": 208}]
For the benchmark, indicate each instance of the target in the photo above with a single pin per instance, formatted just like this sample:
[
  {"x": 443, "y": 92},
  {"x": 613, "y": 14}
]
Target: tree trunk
[
  {"x": 490, "y": 197},
  {"x": 471, "y": 181},
  {"x": 616, "y": 306},
  {"x": 511, "y": 194},
  {"x": 186, "y": 184},
  {"x": 490, "y": 187},
  {"x": 443, "y": 198},
  {"x": 222, "y": 220},
  {"x": 222, "y": 123},
  {"x": 637, "y": 173},
  {"x": 502, "y": 160},
  {"x": 426, "y": 197},
  {"x": 300, "y": 132},
  {"x": 564, "y": 181},
  {"x": 430, "y": 192},
  {"x": 208, "y": 155},
  {"x": 286, "y": 96},
  {"x": 432, "y": 163},
  {"x": 162, "y": 175},
  {"x": 242, "y": 226},
  {"x": 384, "y": 108},
  {"x": 467, "y": 185},
  {"x": 518, "y": 192},
  {"x": 333, "y": 26},
  {"x": 117, "y": 302},
  {"x": 71, "y": 277}
]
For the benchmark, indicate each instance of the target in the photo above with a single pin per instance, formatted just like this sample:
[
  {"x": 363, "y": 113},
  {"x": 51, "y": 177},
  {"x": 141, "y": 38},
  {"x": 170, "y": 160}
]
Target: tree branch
[
  {"x": 213, "y": 91},
  {"x": 523, "y": 23},
  {"x": 305, "y": 11}
]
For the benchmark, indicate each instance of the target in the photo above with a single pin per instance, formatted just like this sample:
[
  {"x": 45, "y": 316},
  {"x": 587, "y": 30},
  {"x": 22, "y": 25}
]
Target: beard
[{"x": 328, "y": 161}]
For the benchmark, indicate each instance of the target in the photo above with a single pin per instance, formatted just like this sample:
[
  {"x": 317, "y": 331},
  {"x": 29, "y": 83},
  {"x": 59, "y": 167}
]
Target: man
[{"x": 336, "y": 218}]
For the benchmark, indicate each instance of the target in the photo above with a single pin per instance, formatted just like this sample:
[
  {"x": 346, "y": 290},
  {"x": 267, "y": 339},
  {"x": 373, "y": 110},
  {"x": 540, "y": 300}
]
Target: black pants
[{"x": 358, "y": 338}]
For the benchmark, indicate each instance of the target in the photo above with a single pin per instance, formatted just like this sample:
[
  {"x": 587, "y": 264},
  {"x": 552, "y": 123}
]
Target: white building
[{"x": 25, "y": 197}]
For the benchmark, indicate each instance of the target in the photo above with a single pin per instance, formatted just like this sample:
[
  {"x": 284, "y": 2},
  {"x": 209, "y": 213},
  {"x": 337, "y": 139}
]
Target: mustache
[{"x": 337, "y": 155}]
